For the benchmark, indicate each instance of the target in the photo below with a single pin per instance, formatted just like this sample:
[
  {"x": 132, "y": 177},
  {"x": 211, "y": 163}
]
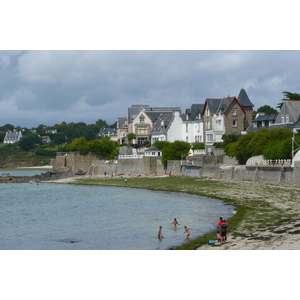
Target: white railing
[
  {"x": 199, "y": 151},
  {"x": 269, "y": 163},
  {"x": 130, "y": 156}
]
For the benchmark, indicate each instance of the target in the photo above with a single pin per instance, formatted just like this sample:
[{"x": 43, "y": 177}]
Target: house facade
[
  {"x": 168, "y": 128},
  {"x": 226, "y": 116},
  {"x": 289, "y": 114},
  {"x": 193, "y": 129},
  {"x": 140, "y": 121},
  {"x": 262, "y": 121},
  {"x": 12, "y": 137}
]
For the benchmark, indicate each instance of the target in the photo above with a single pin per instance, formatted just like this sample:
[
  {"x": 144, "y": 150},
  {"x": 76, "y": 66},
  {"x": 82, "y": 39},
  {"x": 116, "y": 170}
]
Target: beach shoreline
[{"x": 271, "y": 220}]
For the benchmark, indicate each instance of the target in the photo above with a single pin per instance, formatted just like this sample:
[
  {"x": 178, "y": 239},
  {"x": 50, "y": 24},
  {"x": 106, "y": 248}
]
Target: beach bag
[{"x": 211, "y": 242}]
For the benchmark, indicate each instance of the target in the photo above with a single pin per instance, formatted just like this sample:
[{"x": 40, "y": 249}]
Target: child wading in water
[
  {"x": 187, "y": 232},
  {"x": 159, "y": 235},
  {"x": 175, "y": 223}
]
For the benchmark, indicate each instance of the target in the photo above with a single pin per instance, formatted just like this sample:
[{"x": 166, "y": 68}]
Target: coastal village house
[
  {"x": 12, "y": 137},
  {"x": 140, "y": 121},
  {"x": 262, "y": 121},
  {"x": 226, "y": 116},
  {"x": 193, "y": 130},
  {"x": 289, "y": 115},
  {"x": 168, "y": 128}
]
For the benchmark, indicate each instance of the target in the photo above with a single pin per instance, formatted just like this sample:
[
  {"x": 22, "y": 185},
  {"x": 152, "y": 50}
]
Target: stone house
[
  {"x": 12, "y": 137},
  {"x": 226, "y": 116},
  {"x": 140, "y": 121}
]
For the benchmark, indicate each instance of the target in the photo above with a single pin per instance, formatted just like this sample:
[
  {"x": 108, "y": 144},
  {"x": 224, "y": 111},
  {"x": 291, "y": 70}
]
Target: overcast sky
[{"x": 48, "y": 87}]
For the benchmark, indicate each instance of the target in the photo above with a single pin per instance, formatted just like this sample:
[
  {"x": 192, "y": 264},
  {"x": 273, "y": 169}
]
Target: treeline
[
  {"x": 271, "y": 143},
  {"x": 65, "y": 135}
]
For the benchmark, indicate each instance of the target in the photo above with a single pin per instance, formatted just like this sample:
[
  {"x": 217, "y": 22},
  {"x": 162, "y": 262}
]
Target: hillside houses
[
  {"x": 201, "y": 123},
  {"x": 12, "y": 137}
]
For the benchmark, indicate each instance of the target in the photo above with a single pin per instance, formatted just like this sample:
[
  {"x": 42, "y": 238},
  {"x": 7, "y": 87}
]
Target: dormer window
[
  {"x": 287, "y": 119},
  {"x": 142, "y": 119}
]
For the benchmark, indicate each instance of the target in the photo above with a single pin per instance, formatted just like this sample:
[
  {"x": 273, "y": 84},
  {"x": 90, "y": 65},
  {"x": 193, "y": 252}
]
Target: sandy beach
[{"x": 272, "y": 221}]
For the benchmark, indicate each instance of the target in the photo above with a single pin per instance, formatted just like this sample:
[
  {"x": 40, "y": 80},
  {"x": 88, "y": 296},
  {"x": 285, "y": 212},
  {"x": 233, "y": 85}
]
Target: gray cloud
[{"x": 53, "y": 86}]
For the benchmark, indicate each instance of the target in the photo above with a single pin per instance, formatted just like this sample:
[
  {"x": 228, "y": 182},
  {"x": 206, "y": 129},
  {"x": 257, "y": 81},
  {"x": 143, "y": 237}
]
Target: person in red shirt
[{"x": 220, "y": 222}]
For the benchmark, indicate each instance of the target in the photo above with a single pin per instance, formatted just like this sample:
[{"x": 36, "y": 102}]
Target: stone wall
[{"x": 204, "y": 166}]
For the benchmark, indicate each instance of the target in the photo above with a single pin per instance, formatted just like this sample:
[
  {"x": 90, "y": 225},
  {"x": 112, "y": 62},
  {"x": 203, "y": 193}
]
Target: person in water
[
  {"x": 187, "y": 232},
  {"x": 159, "y": 235},
  {"x": 175, "y": 223}
]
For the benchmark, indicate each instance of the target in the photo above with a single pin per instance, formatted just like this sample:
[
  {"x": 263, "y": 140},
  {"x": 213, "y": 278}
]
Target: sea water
[{"x": 48, "y": 216}]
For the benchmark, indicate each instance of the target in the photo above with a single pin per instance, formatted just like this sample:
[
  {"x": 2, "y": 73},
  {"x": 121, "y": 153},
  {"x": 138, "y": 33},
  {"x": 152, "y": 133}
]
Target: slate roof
[
  {"x": 152, "y": 149},
  {"x": 218, "y": 105},
  {"x": 259, "y": 119},
  {"x": 162, "y": 123},
  {"x": 121, "y": 122},
  {"x": 193, "y": 112},
  {"x": 12, "y": 136},
  {"x": 244, "y": 99}
]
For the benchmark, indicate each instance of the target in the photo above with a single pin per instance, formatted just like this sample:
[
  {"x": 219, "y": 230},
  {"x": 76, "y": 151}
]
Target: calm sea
[{"x": 51, "y": 216}]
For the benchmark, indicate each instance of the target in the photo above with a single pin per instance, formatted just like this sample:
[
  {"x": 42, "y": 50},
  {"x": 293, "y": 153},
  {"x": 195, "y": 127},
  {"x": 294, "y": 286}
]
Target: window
[
  {"x": 142, "y": 130},
  {"x": 282, "y": 119},
  {"x": 186, "y": 128},
  {"x": 287, "y": 119},
  {"x": 234, "y": 122},
  {"x": 207, "y": 112},
  {"x": 142, "y": 119},
  {"x": 234, "y": 112},
  {"x": 210, "y": 138},
  {"x": 208, "y": 125}
]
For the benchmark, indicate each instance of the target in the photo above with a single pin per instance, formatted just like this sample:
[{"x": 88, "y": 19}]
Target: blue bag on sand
[{"x": 211, "y": 242}]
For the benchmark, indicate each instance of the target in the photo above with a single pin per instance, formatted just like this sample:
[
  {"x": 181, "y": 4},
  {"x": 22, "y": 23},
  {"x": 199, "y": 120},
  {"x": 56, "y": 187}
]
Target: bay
[{"x": 49, "y": 216}]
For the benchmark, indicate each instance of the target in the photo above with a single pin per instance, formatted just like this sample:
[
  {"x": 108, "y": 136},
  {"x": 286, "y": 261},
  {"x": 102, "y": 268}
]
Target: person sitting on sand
[
  {"x": 175, "y": 223},
  {"x": 159, "y": 235},
  {"x": 187, "y": 232}
]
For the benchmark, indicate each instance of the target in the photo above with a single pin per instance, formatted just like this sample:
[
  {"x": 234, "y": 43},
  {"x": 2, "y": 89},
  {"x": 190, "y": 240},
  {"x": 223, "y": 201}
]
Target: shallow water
[{"x": 61, "y": 216}]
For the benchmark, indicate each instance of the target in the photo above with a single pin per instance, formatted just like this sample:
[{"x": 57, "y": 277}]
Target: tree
[
  {"x": 174, "y": 151},
  {"x": 268, "y": 110},
  {"x": 2, "y": 136},
  {"x": 78, "y": 144},
  {"x": 101, "y": 123},
  {"x": 131, "y": 136},
  {"x": 198, "y": 146},
  {"x": 28, "y": 142},
  {"x": 7, "y": 127},
  {"x": 58, "y": 139},
  {"x": 161, "y": 144}
]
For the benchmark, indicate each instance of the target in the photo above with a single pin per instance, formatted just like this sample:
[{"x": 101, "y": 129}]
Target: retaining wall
[{"x": 206, "y": 166}]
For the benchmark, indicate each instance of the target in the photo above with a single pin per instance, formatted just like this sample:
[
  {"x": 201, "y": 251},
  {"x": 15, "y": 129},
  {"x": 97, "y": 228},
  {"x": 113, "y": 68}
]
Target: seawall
[{"x": 220, "y": 167}]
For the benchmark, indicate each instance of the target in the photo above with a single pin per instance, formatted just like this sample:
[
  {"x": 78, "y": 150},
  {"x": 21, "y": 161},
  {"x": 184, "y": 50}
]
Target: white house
[
  {"x": 168, "y": 128},
  {"x": 193, "y": 129},
  {"x": 12, "y": 137},
  {"x": 152, "y": 152}
]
